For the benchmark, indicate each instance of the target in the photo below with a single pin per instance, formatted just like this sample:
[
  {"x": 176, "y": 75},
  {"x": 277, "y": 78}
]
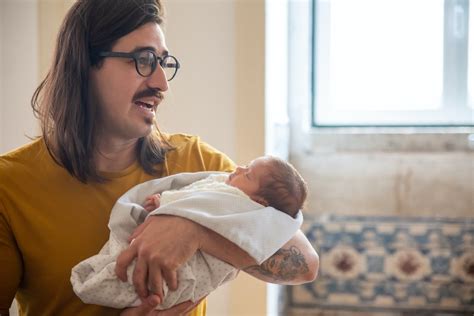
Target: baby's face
[{"x": 248, "y": 178}]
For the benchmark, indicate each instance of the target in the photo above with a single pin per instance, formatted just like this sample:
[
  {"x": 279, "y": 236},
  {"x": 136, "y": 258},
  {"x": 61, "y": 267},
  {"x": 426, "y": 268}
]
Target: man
[{"x": 99, "y": 138}]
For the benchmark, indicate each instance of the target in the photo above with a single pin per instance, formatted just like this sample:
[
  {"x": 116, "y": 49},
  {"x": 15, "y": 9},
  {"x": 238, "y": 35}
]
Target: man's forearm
[
  {"x": 295, "y": 263},
  {"x": 220, "y": 247}
]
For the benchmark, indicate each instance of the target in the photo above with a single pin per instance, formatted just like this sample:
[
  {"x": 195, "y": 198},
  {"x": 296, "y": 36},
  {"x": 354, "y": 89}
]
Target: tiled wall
[{"x": 373, "y": 265}]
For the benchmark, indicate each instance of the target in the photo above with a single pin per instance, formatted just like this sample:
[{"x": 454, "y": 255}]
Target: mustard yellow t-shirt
[{"x": 50, "y": 221}]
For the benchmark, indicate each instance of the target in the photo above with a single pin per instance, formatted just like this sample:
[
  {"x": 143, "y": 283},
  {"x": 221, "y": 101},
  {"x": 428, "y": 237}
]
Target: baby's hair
[{"x": 283, "y": 188}]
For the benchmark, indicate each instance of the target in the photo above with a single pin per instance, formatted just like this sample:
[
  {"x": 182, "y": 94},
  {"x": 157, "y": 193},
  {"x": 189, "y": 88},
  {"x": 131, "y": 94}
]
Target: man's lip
[{"x": 154, "y": 102}]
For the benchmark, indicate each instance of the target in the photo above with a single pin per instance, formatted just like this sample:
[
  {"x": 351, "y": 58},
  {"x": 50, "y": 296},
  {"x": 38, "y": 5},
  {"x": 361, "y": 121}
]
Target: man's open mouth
[{"x": 145, "y": 105}]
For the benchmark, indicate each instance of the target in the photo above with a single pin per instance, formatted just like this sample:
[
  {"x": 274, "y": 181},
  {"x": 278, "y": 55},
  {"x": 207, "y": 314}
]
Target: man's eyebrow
[{"x": 142, "y": 48}]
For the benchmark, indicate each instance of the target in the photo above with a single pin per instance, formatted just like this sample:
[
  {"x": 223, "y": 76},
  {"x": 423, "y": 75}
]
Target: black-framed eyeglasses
[{"x": 146, "y": 62}]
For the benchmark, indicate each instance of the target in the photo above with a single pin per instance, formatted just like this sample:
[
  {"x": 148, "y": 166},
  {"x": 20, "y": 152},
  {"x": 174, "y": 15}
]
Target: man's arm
[
  {"x": 159, "y": 258},
  {"x": 10, "y": 266},
  {"x": 295, "y": 263}
]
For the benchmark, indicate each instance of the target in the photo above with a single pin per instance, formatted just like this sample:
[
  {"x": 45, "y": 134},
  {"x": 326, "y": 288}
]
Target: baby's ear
[{"x": 260, "y": 200}]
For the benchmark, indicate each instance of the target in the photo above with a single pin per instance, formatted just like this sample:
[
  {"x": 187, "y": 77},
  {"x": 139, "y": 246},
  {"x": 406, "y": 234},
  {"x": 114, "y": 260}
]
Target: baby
[
  {"x": 267, "y": 180},
  {"x": 257, "y": 207}
]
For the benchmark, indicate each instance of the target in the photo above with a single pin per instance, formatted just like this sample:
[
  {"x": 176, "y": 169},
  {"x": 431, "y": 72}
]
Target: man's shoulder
[
  {"x": 191, "y": 154},
  {"x": 18, "y": 166},
  {"x": 26, "y": 154},
  {"x": 186, "y": 143},
  {"x": 181, "y": 139}
]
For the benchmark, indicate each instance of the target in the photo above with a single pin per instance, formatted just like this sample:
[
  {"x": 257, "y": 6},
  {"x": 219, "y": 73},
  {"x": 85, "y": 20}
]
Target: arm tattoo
[{"x": 284, "y": 265}]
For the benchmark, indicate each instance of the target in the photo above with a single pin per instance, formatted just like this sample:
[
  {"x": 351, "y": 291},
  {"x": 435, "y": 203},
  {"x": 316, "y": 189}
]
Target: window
[{"x": 393, "y": 63}]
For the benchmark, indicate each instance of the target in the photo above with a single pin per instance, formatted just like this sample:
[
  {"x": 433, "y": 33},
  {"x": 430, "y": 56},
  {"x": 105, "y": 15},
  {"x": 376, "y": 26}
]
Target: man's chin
[
  {"x": 144, "y": 132},
  {"x": 150, "y": 121}
]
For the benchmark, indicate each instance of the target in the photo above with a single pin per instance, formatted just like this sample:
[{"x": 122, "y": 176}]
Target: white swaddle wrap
[{"x": 258, "y": 230}]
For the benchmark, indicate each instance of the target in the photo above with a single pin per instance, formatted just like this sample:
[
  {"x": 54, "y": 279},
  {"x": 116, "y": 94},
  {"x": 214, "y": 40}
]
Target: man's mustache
[{"x": 148, "y": 93}]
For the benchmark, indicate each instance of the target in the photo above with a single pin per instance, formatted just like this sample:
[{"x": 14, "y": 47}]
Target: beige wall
[
  {"x": 19, "y": 71},
  {"x": 50, "y": 16},
  {"x": 219, "y": 93},
  {"x": 220, "y": 90},
  {"x": 224, "y": 103},
  {"x": 221, "y": 82},
  {"x": 202, "y": 98},
  {"x": 2, "y": 27}
]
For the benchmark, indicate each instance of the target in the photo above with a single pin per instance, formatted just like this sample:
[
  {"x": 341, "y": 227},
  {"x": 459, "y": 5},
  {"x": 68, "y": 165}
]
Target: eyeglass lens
[{"x": 147, "y": 63}]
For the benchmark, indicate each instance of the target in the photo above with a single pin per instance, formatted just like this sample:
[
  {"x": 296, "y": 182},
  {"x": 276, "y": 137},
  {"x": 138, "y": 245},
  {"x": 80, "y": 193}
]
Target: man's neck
[{"x": 115, "y": 155}]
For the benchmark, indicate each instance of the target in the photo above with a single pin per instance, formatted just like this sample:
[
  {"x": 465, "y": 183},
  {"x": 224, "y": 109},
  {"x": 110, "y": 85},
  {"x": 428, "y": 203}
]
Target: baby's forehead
[{"x": 262, "y": 161}]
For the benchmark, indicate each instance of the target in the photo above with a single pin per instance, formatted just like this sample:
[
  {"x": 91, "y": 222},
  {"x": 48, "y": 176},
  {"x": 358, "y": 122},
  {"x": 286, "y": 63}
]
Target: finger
[
  {"x": 123, "y": 261},
  {"x": 148, "y": 207},
  {"x": 140, "y": 278},
  {"x": 155, "y": 280},
  {"x": 137, "y": 231},
  {"x": 153, "y": 299},
  {"x": 171, "y": 278}
]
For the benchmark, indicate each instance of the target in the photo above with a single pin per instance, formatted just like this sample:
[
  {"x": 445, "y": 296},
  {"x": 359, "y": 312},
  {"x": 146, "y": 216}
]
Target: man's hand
[
  {"x": 161, "y": 245},
  {"x": 149, "y": 310}
]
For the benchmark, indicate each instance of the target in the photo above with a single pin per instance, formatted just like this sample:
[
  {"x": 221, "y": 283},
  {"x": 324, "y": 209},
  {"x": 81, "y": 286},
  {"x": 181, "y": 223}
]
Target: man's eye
[{"x": 144, "y": 61}]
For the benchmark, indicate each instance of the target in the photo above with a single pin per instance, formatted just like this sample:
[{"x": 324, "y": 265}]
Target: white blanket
[{"x": 258, "y": 230}]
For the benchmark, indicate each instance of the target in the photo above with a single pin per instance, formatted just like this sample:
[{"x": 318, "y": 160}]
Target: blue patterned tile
[{"x": 391, "y": 264}]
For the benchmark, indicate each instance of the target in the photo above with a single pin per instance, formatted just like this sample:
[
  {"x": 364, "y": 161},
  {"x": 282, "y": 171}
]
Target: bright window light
[{"x": 382, "y": 62}]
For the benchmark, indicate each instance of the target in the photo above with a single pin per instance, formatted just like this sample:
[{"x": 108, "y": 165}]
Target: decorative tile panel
[{"x": 419, "y": 265}]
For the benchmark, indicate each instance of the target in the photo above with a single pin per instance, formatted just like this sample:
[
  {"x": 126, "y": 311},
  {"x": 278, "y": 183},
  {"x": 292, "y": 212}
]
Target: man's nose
[{"x": 157, "y": 80}]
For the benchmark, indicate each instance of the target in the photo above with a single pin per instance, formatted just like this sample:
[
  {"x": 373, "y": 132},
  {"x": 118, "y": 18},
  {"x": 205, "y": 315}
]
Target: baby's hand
[{"x": 152, "y": 202}]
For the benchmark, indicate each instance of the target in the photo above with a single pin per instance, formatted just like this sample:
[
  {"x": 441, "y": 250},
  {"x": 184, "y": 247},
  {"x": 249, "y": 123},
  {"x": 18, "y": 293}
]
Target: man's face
[{"x": 126, "y": 101}]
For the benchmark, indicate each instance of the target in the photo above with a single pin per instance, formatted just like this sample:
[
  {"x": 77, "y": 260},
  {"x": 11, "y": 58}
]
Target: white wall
[{"x": 19, "y": 69}]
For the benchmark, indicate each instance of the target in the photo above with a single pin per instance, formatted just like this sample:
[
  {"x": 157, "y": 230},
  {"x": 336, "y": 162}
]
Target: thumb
[{"x": 143, "y": 309}]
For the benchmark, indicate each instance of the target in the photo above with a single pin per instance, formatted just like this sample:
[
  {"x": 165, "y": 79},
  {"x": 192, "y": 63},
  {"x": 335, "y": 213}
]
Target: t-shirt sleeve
[
  {"x": 191, "y": 154},
  {"x": 10, "y": 264},
  {"x": 214, "y": 160}
]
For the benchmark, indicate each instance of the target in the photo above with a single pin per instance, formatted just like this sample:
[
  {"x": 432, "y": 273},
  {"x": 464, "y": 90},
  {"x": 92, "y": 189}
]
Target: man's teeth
[{"x": 144, "y": 105}]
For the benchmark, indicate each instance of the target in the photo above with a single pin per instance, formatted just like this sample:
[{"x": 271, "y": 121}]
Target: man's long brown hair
[{"x": 61, "y": 101}]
